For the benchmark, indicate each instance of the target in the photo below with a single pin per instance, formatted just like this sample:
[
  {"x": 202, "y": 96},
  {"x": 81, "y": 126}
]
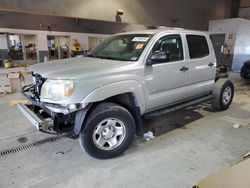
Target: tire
[
  {"x": 242, "y": 71},
  {"x": 108, "y": 132},
  {"x": 245, "y": 70},
  {"x": 223, "y": 93}
]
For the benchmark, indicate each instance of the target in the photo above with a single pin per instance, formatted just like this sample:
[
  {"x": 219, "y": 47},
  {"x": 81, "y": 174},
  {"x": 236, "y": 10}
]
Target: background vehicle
[
  {"x": 102, "y": 98},
  {"x": 245, "y": 70}
]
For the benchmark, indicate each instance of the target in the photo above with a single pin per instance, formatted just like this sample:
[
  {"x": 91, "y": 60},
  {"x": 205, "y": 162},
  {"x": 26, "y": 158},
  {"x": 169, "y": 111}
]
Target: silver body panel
[{"x": 152, "y": 85}]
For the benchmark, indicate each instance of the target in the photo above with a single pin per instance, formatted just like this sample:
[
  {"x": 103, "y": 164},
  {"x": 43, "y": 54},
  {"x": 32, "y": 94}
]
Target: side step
[{"x": 173, "y": 108}]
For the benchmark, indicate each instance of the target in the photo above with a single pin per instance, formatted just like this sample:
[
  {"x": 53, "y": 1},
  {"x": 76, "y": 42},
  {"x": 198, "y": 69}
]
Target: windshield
[{"x": 121, "y": 47}]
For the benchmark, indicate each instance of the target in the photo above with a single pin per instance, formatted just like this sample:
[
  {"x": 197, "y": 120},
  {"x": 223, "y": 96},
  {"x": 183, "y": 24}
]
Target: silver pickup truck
[{"x": 102, "y": 98}]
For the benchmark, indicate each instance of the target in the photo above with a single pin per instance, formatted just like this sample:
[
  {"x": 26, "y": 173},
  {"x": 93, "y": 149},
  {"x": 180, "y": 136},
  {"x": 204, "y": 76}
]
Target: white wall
[
  {"x": 3, "y": 42},
  {"x": 240, "y": 28},
  {"x": 225, "y": 26},
  {"x": 242, "y": 44}
]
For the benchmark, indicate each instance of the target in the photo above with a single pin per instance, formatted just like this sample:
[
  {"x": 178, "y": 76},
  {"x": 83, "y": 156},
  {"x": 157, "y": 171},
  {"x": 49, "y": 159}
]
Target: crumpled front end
[{"x": 49, "y": 117}]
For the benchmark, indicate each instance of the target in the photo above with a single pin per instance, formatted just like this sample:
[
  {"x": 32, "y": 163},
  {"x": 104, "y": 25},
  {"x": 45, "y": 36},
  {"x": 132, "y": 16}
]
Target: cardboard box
[
  {"x": 15, "y": 82},
  {"x": 236, "y": 176},
  {"x": 11, "y": 80},
  {"x": 5, "y": 85}
]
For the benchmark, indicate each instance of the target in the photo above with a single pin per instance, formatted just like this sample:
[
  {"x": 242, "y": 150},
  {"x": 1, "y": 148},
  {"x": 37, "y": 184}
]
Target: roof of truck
[{"x": 165, "y": 30}]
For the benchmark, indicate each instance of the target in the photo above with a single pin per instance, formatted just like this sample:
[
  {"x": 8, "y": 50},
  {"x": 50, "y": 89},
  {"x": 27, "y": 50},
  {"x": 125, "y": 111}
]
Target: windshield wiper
[{"x": 107, "y": 57}]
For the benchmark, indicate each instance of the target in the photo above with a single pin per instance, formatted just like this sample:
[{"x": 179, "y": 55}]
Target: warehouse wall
[
  {"x": 189, "y": 14},
  {"x": 239, "y": 29},
  {"x": 29, "y": 21},
  {"x": 242, "y": 45}
]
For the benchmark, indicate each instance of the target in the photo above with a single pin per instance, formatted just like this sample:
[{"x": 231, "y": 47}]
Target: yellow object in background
[
  {"x": 76, "y": 46},
  {"x": 139, "y": 46},
  {"x": 8, "y": 64}
]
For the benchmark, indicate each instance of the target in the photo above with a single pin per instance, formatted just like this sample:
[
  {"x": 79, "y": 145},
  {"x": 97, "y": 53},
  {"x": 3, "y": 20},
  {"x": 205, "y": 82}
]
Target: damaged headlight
[{"x": 57, "y": 90}]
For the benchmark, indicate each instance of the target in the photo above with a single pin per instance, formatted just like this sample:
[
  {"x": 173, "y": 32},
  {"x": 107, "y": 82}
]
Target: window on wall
[
  {"x": 15, "y": 47},
  {"x": 22, "y": 47},
  {"x": 63, "y": 42},
  {"x": 30, "y": 46},
  {"x": 197, "y": 46},
  {"x": 53, "y": 47},
  {"x": 58, "y": 47}
]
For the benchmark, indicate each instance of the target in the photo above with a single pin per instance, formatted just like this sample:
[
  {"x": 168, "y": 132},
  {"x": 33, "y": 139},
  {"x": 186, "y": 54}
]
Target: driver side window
[{"x": 172, "y": 45}]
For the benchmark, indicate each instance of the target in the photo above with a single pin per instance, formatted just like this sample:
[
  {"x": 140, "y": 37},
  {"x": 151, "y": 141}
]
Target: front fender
[{"x": 116, "y": 88}]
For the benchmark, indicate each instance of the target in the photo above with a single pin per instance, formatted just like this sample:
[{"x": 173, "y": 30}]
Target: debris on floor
[
  {"x": 236, "y": 126},
  {"x": 148, "y": 136},
  {"x": 60, "y": 152},
  {"x": 187, "y": 117},
  {"x": 14, "y": 102}
]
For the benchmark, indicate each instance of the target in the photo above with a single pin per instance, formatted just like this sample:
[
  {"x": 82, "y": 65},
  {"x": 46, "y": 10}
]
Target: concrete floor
[{"x": 190, "y": 144}]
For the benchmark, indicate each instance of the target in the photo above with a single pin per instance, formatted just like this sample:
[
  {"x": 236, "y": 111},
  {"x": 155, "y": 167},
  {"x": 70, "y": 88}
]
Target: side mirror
[{"x": 158, "y": 57}]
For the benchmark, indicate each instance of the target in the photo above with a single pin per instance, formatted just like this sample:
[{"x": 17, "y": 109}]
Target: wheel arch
[
  {"x": 129, "y": 102},
  {"x": 128, "y": 94},
  {"x": 131, "y": 87}
]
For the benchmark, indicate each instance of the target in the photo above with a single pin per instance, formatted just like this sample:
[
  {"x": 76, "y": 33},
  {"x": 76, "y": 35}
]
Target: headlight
[{"x": 57, "y": 90}]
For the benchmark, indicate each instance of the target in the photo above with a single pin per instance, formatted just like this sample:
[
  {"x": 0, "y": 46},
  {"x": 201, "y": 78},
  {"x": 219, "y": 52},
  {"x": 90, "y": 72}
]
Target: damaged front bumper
[
  {"x": 34, "y": 119},
  {"x": 54, "y": 118}
]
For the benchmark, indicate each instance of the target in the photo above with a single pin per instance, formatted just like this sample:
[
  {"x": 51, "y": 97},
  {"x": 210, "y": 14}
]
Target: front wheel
[{"x": 108, "y": 132}]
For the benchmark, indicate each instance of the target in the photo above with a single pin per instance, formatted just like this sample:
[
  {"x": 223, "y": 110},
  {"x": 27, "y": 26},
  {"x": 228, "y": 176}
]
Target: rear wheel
[
  {"x": 108, "y": 132},
  {"x": 223, "y": 93}
]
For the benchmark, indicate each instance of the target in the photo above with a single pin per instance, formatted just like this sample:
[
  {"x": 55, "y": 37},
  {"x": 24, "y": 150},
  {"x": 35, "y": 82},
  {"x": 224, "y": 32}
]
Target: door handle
[
  {"x": 183, "y": 69},
  {"x": 211, "y": 64}
]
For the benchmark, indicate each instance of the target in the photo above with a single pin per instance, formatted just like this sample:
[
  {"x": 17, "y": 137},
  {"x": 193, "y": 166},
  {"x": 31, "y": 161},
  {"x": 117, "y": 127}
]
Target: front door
[{"x": 165, "y": 81}]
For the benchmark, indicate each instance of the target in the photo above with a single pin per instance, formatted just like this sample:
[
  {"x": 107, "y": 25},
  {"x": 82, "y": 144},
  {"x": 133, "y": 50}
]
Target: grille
[{"x": 38, "y": 83}]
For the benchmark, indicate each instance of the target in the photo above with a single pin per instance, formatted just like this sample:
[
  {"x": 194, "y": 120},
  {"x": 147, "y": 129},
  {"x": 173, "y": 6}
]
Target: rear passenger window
[{"x": 198, "y": 46}]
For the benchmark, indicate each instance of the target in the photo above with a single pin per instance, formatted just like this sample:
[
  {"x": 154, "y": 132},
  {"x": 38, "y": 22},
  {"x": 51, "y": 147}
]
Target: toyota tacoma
[{"x": 102, "y": 98}]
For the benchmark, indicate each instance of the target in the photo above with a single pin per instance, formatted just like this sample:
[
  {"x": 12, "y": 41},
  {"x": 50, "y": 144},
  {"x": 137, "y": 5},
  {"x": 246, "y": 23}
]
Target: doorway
[
  {"x": 58, "y": 47},
  {"x": 222, "y": 56}
]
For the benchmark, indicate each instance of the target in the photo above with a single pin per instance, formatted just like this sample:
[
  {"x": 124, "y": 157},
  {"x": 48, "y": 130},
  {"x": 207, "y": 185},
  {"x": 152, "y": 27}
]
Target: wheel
[
  {"x": 243, "y": 72},
  {"x": 223, "y": 93},
  {"x": 108, "y": 132}
]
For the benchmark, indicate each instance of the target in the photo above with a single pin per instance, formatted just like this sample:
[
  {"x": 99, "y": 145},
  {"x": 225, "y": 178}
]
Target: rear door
[{"x": 201, "y": 63}]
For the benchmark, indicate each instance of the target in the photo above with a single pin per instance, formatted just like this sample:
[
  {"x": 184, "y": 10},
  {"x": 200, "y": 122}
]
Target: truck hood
[{"x": 77, "y": 67}]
